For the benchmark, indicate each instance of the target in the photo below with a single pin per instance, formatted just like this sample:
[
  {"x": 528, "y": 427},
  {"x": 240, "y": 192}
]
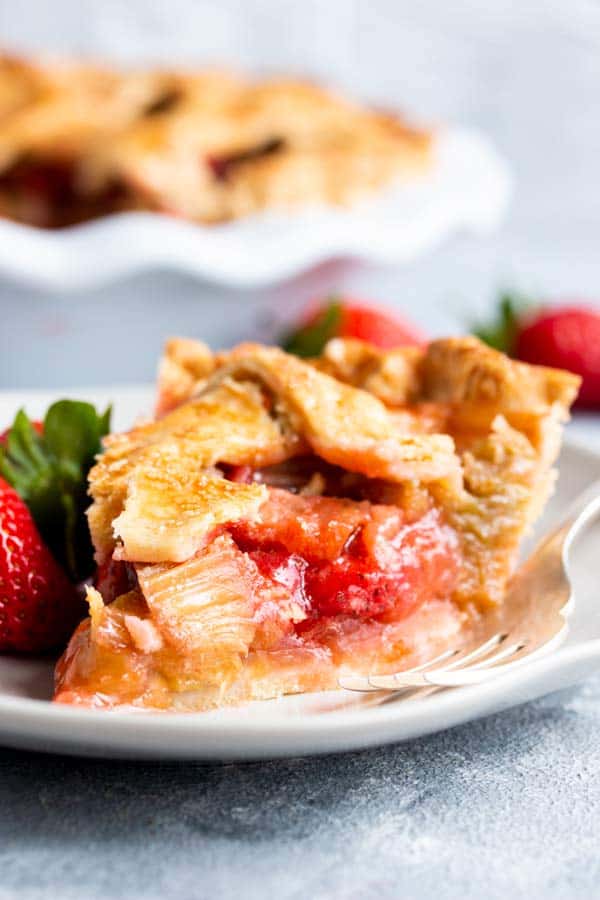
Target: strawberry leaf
[
  {"x": 502, "y": 332},
  {"x": 310, "y": 340},
  {"x": 50, "y": 470}
]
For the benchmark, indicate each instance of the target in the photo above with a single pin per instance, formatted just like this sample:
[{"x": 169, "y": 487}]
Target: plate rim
[
  {"x": 84, "y": 732},
  {"x": 80, "y": 731}
]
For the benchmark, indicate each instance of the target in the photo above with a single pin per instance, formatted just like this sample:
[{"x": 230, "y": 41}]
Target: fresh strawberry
[
  {"x": 567, "y": 337},
  {"x": 350, "y": 319},
  {"x": 564, "y": 337},
  {"x": 39, "y": 606},
  {"x": 47, "y": 464}
]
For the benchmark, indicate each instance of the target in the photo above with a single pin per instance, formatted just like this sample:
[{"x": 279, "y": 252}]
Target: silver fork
[{"x": 532, "y": 623}]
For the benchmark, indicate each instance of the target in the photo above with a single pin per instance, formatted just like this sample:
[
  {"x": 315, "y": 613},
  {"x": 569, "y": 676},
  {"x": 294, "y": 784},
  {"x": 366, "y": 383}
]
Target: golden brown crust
[
  {"x": 206, "y": 145},
  {"x": 184, "y": 366},
  {"x": 230, "y": 424},
  {"x": 342, "y": 425},
  {"x": 465, "y": 371},
  {"x": 59, "y": 110},
  {"x": 393, "y": 375},
  {"x": 260, "y": 407},
  {"x": 456, "y": 371},
  {"x": 20, "y": 82},
  {"x": 504, "y": 416}
]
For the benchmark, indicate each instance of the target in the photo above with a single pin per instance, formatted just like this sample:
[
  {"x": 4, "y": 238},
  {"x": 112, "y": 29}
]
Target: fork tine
[
  {"x": 486, "y": 671},
  {"x": 419, "y": 675},
  {"x": 390, "y": 682},
  {"x": 358, "y": 683},
  {"x": 416, "y": 676},
  {"x": 362, "y": 684},
  {"x": 408, "y": 694},
  {"x": 365, "y": 684},
  {"x": 495, "y": 641},
  {"x": 427, "y": 676},
  {"x": 477, "y": 674},
  {"x": 506, "y": 652},
  {"x": 436, "y": 659},
  {"x": 412, "y": 692}
]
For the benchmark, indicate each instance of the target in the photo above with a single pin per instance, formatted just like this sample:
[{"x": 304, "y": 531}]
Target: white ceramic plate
[
  {"x": 292, "y": 726},
  {"x": 468, "y": 188}
]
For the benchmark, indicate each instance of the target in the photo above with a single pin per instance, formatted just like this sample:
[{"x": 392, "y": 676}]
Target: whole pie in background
[
  {"x": 80, "y": 141},
  {"x": 285, "y": 522}
]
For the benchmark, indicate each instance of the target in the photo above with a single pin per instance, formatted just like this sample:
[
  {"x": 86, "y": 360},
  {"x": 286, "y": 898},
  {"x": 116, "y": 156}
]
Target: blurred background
[{"x": 527, "y": 74}]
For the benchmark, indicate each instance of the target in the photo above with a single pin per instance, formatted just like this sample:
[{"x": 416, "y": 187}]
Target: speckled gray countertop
[{"x": 505, "y": 807}]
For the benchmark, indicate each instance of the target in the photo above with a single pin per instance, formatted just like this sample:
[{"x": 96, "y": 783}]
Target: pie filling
[
  {"x": 317, "y": 584},
  {"x": 223, "y": 166},
  {"x": 46, "y": 194},
  {"x": 324, "y": 557},
  {"x": 353, "y": 559}
]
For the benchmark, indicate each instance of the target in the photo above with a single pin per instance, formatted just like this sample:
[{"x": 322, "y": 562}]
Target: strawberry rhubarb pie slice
[{"x": 284, "y": 522}]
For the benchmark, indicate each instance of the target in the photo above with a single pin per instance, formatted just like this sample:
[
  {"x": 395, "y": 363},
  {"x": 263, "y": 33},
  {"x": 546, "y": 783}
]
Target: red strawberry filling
[
  {"x": 223, "y": 166},
  {"x": 358, "y": 559},
  {"x": 46, "y": 194},
  {"x": 334, "y": 556}
]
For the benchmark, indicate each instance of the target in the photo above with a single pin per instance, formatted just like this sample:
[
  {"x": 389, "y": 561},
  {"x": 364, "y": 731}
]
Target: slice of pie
[
  {"x": 79, "y": 141},
  {"x": 283, "y": 522}
]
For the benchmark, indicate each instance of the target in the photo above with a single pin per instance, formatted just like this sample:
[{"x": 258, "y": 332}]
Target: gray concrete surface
[{"x": 505, "y": 807}]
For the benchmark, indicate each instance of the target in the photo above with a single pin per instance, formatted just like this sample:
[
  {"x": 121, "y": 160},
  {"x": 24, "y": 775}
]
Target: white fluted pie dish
[{"x": 468, "y": 188}]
